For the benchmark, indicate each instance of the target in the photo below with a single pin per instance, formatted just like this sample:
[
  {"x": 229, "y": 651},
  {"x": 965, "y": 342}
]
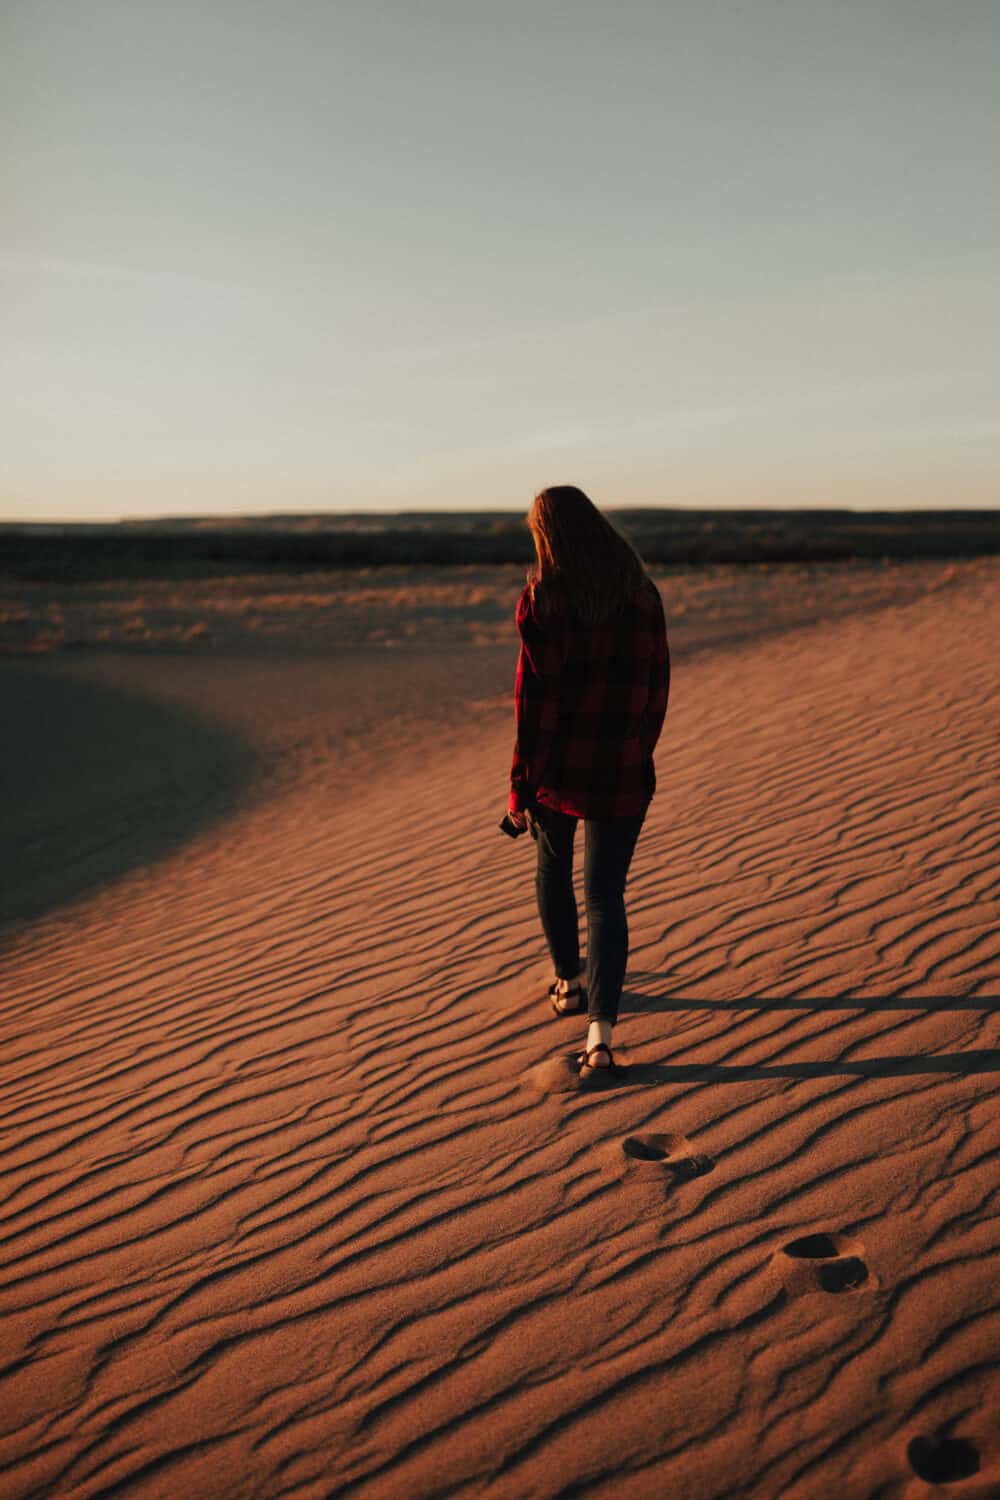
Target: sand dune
[{"x": 299, "y": 1198}]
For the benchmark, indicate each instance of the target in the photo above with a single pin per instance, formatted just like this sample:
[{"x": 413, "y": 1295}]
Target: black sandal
[
  {"x": 555, "y": 995},
  {"x": 590, "y": 1070}
]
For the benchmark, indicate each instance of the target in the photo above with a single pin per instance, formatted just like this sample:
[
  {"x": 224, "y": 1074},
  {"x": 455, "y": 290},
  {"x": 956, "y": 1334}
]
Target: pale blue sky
[{"x": 260, "y": 255}]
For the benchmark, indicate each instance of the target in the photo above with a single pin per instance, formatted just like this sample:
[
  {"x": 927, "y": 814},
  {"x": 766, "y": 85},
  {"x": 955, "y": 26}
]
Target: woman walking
[{"x": 593, "y": 678}]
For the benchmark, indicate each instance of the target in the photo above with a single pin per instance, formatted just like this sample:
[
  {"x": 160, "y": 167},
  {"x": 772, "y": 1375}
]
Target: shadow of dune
[
  {"x": 98, "y": 780},
  {"x": 638, "y": 1004},
  {"x": 985, "y": 1061}
]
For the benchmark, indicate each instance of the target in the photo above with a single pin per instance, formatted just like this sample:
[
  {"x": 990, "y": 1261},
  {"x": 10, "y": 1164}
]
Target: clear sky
[{"x": 265, "y": 255}]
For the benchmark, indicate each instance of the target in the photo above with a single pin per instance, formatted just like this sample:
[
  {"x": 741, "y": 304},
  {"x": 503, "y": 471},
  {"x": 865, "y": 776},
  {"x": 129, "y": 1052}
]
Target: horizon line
[{"x": 237, "y": 517}]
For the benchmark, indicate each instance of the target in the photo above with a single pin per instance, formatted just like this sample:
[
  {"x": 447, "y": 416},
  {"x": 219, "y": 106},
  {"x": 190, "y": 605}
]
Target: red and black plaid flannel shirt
[{"x": 590, "y": 702}]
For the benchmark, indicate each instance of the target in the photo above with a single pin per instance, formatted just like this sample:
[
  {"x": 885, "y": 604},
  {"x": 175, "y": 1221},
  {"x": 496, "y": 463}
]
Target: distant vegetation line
[{"x": 198, "y": 548}]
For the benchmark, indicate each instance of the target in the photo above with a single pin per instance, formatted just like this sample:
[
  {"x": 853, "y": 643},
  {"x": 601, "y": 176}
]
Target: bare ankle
[{"x": 599, "y": 1034}]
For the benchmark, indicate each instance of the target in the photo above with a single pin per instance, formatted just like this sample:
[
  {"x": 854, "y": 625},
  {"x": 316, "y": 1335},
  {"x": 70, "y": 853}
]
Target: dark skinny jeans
[{"x": 608, "y": 850}]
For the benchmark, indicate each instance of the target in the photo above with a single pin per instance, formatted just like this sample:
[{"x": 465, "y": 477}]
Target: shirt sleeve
[
  {"x": 536, "y": 700},
  {"x": 659, "y": 676}
]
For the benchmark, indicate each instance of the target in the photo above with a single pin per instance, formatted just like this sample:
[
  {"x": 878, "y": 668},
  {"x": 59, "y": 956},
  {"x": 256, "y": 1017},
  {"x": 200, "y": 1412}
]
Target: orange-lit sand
[{"x": 295, "y": 1200}]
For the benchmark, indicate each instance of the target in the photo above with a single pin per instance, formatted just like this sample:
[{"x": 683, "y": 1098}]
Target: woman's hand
[{"x": 519, "y": 820}]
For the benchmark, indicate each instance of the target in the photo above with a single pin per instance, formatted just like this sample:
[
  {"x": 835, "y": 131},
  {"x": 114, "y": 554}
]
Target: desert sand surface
[{"x": 298, "y": 1193}]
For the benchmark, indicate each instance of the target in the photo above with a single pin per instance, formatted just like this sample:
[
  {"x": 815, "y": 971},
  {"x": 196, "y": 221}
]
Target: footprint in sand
[
  {"x": 823, "y": 1263},
  {"x": 945, "y": 1464},
  {"x": 665, "y": 1156},
  {"x": 946, "y": 1460}
]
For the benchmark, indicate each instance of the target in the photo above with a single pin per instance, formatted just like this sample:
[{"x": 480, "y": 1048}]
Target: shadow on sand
[
  {"x": 98, "y": 780},
  {"x": 635, "y": 1002},
  {"x": 986, "y": 1060}
]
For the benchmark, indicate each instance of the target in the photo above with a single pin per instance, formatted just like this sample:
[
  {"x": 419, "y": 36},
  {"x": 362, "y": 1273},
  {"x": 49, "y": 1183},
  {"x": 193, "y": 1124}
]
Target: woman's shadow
[
  {"x": 649, "y": 994},
  {"x": 99, "y": 780}
]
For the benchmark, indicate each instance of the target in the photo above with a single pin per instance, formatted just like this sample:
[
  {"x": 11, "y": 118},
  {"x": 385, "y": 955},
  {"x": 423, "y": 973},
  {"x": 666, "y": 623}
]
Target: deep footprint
[
  {"x": 666, "y": 1153},
  {"x": 844, "y": 1275},
  {"x": 942, "y": 1460},
  {"x": 822, "y": 1263},
  {"x": 815, "y": 1247}
]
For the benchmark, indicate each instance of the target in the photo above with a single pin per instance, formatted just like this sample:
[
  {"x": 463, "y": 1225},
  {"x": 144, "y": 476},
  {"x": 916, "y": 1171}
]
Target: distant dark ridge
[
  {"x": 78, "y": 554},
  {"x": 190, "y": 547}
]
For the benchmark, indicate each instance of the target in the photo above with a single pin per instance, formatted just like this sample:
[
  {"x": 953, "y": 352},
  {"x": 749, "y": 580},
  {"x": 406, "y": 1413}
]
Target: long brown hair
[{"x": 581, "y": 555}]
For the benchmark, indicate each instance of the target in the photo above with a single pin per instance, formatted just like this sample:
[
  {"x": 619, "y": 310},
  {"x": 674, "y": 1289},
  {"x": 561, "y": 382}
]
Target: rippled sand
[{"x": 298, "y": 1195}]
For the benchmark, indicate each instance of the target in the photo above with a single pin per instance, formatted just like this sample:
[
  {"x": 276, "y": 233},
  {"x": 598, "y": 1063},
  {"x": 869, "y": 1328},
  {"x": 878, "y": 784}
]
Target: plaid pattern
[{"x": 589, "y": 705}]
